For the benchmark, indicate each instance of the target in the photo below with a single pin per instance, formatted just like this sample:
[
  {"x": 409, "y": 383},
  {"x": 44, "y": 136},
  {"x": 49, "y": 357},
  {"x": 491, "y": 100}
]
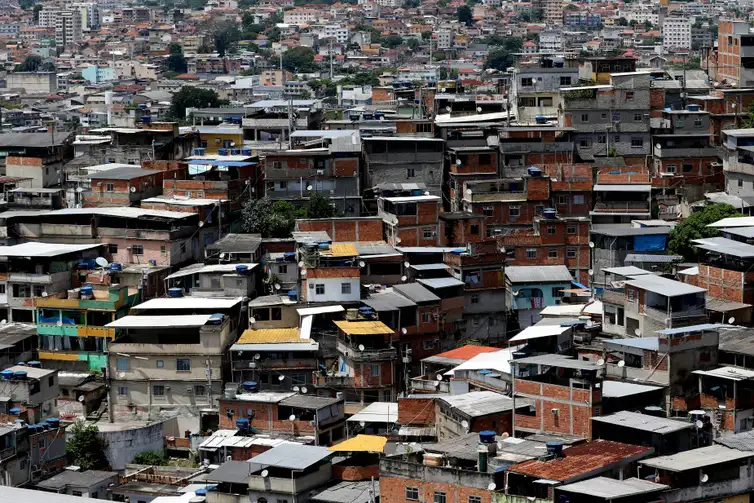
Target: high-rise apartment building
[{"x": 676, "y": 34}]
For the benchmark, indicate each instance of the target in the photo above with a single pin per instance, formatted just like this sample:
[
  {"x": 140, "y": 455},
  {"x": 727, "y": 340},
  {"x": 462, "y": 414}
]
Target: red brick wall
[
  {"x": 393, "y": 490},
  {"x": 340, "y": 472},
  {"x": 726, "y": 284},
  {"x": 265, "y": 418},
  {"x": 499, "y": 424},
  {"x": 560, "y": 422},
  {"x": 365, "y": 379},
  {"x": 416, "y": 411},
  {"x": 344, "y": 230}
]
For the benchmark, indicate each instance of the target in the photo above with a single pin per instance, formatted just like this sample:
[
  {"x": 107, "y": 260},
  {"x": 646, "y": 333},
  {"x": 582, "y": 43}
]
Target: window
[
  {"x": 584, "y": 117},
  {"x": 474, "y": 229},
  {"x": 698, "y": 123},
  {"x": 410, "y": 172},
  {"x": 200, "y": 390},
  {"x": 527, "y": 81},
  {"x": 276, "y": 314},
  {"x": 637, "y": 142},
  {"x": 2, "y": 288},
  {"x": 158, "y": 390},
  {"x": 427, "y": 233},
  {"x": 277, "y": 165},
  {"x": 38, "y": 290},
  {"x": 122, "y": 364},
  {"x": 281, "y": 500},
  {"x": 740, "y": 183},
  {"x": 319, "y": 289},
  {"x": 585, "y": 142},
  {"x": 75, "y": 493},
  {"x": 670, "y": 168},
  {"x": 531, "y": 253},
  {"x": 163, "y": 250},
  {"x": 439, "y": 497},
  {"x": 629, "y": 95},
  {"x": 603, "y": 115},
  {"x": 412, "y": 493},
  {"x": 112, "y": 249},
  {"x": 345, "y": 288},
  {"x": 551, "y": 230},
  {"x": 602, "y": 138},
  {"x": 557, "y": 291},
  {"x": 475, "y": 499},
  {"x": 562, "y": 199},
  {"x": 475, "y": 299},
  {"x": 488, "y": 211},
  {"x": 688, "y": 168},
  {"x": 424, "y": 128},
  {"x": 374, "y": 371},
  {"x": 571, "y": 252},
  {"x": 680, "y": 123},
  {"x": 565, "y": 81},
  {"x": 638, "y": 117},
  {"x": 183, "y": 365},
  {"x": 514, "y": 211},
  {"x": 616, "y": 116},
  {"x": 122, "y": 391},
  {"x": 426, "y": 317},
  {"x": 137, "y": 250},
  {"x": 552, "y": 253},
  {"x": 429, "y": 344},
  {"x": 160, "y": 364},
  {"x": 630, "y": 294},
  {"x": 579, "y": 199},
  {"x": 109, "y": 187}
]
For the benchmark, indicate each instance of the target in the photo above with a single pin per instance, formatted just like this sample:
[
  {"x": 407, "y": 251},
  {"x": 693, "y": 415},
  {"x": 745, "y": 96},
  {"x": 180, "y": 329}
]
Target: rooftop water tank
[
  {"x": 242, "y": 424},
  {"x": 14, "y": 411},
  {"x": 250, "y": 386},
  {"x": 116, "y": 267},
  {"x": 550, "y": 213},
  {"x": 6, "y": 375},
  {"x": 175, "y": 292},
  {"x": 35, "y": 364},
  {"x": 692, "y": 108},
  {"x": 216, "y": 319},
  {"x": 87, "y": 292},
  {"x": 534, "y": 172},
  {"x": 20, "y": 375},
  {"x": 242, "y": 269},
  {"x": 54, "y": 422},
  {"x": 555, "y": 448},
  {"x": 487, "y": 437}
]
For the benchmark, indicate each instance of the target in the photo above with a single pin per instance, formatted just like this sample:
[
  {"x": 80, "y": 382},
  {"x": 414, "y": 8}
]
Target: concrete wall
[
  {"x": 124, "y": 441},
  {"x": 33, "y": 82}
]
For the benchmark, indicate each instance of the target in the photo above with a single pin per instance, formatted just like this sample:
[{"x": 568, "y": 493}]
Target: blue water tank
[
  {"x": 54, "y": 422},
  {"x": 35, "y": 364},
  {"x": 292, "y": 295},
  {"x": 146, "y": 119},
  {"x": 692, "y": 108},
  {"x": 250, "y": 386},
  {"x": 15, "y": 411},
  {"x": 246, "y": 151},
  {"x": 540, "y": 119},
  {"x": 116, "y": 267},
  {"x": 6, "y": 375},
  {"x": 20, "y": 375},
  {"x": 87, "y": 290},
  {"x": 222, "y": 151},
  {"x": 152, "y": 262},
  {"x": 534, "y": 172},
  {"x": 550, "y": 213},
  {"x": 555, "y": 447},
  {"x": 216, "y": 319},
  {"x": 199, "y": 151},
  {"x": 203, "y": 492},
  {"x": 487, "y": 437},
  {"x": 242, "y": 269},
  {"x": 242, "y": 424},
  {"x": 175, "y": 292}
]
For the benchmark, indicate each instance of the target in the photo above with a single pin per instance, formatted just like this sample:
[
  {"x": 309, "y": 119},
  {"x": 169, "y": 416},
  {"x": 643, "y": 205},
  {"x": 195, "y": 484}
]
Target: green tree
[
  {"x": 255, "y": 216},
  {"x": 176, "y": 61},
  {"x": 48, "y": 66},
  {"x": 192, "y": 97},
  {"x": 464, "y": 15},
  {"x": 299, "y": 59},
  {"x": 30, "y": 64},
  {"x": 153, "y": 458},
  {"x": 35, "y": 10},
  {"x": 85, "y": 448},
  {"x": 413, "y": 44},
  {"x": 270, "y": 219},
  {"x": 695, "y": 227},
  {"x": 392, "y": 41},
  {"x": 320, "y": 207},
  {"x": 622, "y": 21},
  {"x": 224, "y": 35}
]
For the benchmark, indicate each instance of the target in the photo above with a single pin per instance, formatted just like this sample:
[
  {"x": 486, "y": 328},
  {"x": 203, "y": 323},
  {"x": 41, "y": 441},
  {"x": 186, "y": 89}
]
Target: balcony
[
  {"x": 655, "y": 375},
  {"x": 685, "y": 153},
  {"x": 405, "y": 157},
  {"x": 422, "y": 384},
  {"x": 334, "y": 381},
  {"x": 75, "y": 330},
  {"x": 733, "y": 165},
  {"x": 369, "y": 355},
  {"x": 494, "y": 197},
  {"x": 277, "y": 364},
  {"x": 617, "y": 298},
  {"x": 7, "y": 453},
  {"x": 637, "y": 207},
  {"x": 674, "y": 317}
]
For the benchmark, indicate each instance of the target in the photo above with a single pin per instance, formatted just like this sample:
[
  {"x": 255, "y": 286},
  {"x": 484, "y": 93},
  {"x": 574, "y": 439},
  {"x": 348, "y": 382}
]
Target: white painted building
[{"x": 676, "y": 33}]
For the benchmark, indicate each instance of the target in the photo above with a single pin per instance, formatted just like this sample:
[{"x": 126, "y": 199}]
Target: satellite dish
[
  {"x": 458, "y": 162},
  {"x": 705, "y": 477},
  {"x": 398, "y": 239},
  {"x": 253, "y": 365},
  {"x": 59, "y": 323},
  {"x": 591, "y": 244},
  {"x": 257, "y": 356},
  {"x": 3, "y": 322},
  {"x": 303, "y": 273},
  {"x": 121, "y": 375},
  {"x": 448, "y": 108},
  {"x": 601, "y": 361},
  {"x": 469, "y": 191},
  {"x": 264, "y": 473},
  {"x": 44, "y": 294},
  {"x": 404, "y": 278},
  {"x": 101, "y": 261},
  {"x": 132, "y": 189},
  {"x": 491, "y": 486},
  {"x": 277, "y": 286},
  {"x": 295, "y": 388},
  {"x": 81, "y": 399},
  {"x": 361, "y": 347},
  {"x": 731, "y": 320},
  {"x": 80, "y": 189},
  {"x": 439, "y": 377},
  {"x": 362, "y": 263},
  {"x": 699, "y": 424},
  {"x": 515, "y": 293},
  {"x": 404, "y": 331},
  {"x": 309, "y": 187},
  {"x": 281, "y": 378},
  {"x": 479, "y": 109},
  {"x": 621, "y": 364},
  {"x": 407, "y": 264},
  {"x": 591, "y": 272},
  {"x": 465, "y": 423},
  {"x": 638, "y": 332},
  {"x": 252, "y": 320},
  {"x": 201, "y": 223},
  {"x": 301, "y": 264},
  {"x": 362, "y": 423},
  {"x": 292, "y": 417},
  {"x": 304, "y": 390},
  {"x": 223, "y": 255}
]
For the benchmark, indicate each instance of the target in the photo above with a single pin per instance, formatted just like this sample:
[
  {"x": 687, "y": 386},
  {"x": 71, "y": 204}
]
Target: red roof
[
  {"x": 467, "y": 352},
  {"x": 582, "y": 459}
]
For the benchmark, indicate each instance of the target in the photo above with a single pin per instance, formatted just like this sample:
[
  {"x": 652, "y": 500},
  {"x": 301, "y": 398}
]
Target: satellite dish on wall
[
  {"x": 465, "y": 423},
  {"x": 601, "y": 361},
  {"x": 705, "y": 477},
  {"x": 277, "y": 286},
  {"x": 404, "y": 331},
  {"x": 731, "y": 320},
  {"x": 621, "y": 364},
  {"x": 132, "y": 189},
  {"x": 638, "y": 332},
  {"x": 101, "y": 261},
  {"x": 304, "y": 390},
  {"x": 407, "y": 264},
  {"x": 59, "y": 323},
  {"x": 301, "y": 264},
  {"x": 257, "y": 356},
  {"x": 295, "y": 388},
  {"x": 292, "y": 417},
  {"x": 491, "y": 486},
  {"x": 252, "y": 320},
  {"x": 361, "y": 347},
  {"x": 699, "y": 424},
  {"x": 439, "y": 377},
  {"x": 591, "y": 244},
  {"x": 362, "y": 263},
  {"x": 309, "y": 187},
  {"x": 404, "y": 278},
  {"x": 281, "y": 378},
  {"x": 264, "y": 473},
  {"x": 591, "y": 272}
]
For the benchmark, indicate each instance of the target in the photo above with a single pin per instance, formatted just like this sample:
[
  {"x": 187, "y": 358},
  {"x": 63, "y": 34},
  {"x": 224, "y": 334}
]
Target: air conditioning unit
[
  {"x": 189, "y": 389},
  {"x": 320, "y": 171}
]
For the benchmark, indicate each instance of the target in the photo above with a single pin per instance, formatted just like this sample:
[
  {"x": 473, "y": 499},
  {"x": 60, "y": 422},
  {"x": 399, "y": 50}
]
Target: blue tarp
[
  {"x": 578, "y": 285},
  {"x": 649, "y": 243}
]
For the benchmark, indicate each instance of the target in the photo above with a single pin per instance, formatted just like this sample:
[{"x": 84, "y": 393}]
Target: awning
[
  {"x": 361, "y": 443},
  {"x": 539, "y": 331},
  {"x": 416, "y": 431}
]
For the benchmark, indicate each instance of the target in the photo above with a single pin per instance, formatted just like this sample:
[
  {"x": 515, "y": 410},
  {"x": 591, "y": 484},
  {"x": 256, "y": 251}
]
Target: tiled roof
[
  {"x": 582, "y": 459},
  {"x": 467, "y": 352},
  {"x": 271, "y": 335}
]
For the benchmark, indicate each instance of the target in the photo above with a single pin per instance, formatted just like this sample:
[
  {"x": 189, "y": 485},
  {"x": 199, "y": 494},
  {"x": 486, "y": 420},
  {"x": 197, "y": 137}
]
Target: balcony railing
[
  {"x": 334, "y": 381},
  {"x": 368, "y": 355},
  {"x": 621, "y": 207}
]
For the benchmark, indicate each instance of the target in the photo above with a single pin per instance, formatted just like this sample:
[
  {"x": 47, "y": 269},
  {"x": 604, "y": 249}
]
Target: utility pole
[{"x": 331, "y": 56}]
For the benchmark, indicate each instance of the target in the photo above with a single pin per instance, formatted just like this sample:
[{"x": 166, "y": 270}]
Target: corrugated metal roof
[
  {"x": 744, "y": 232},
  {"x": 739, "y": 340},
  {"x": 498, "y": 361},
  {"x": 481, "y": 403},
  {"x": 192, "y": 320},
  {"x": 538, "y": 274},
  {"x": 232, "y": 472},
  {"x": 693, "y": 328},
  {"x": 729, "y": 373},
  {"x": 361, "y": 443},
  {"x": 320, "y": 310},
  {"x": 467, "y": 352},
  {"x": 741, "y": 441},
  {"x": 664, "y": 286},
  {"x": 642, "y": 343},
  {"x": 617, "y": 230},
  {"x": 630, "y": 270},
  {"x": 620, "y": 389},
  {"x": 341, "y": 250},
  {"x": 438, "y": 283},
  {"x": 416, "y": 292},
  {"x": 309, "y": 401},
  {"x": 363, "y": 327},
  {"x": 607, "y": 488},
  {"x": 36, "y": 249},
  {"x": 553, "y": 360},
  {"x": 188, "y": 303},
  {"x": 306, "y": 346},
  {"x": 349, "y": 492},
  {"x": 429, "y": 267},
  {"x": 724, "y": 306},
  {"x": 643, "y": 422},
  {"x": 725, "y": 246},
  {"x": 377, "y": 412},
  {"x": 269, "y": 335},
  {"x": 388, "y": 301},
  {"x": 539, "y": 331},
  {"x": 733, "y": 221},
  {"x": 623, "y": 188},
  {"x": 583, "y": 459},
  {"x": 417, "y": 431},
  {"x": 696, "y": 458}
]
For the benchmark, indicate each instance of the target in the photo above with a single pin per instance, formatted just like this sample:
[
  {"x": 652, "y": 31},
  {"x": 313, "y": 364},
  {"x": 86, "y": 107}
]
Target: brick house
[{"x": 410, "y": 220}]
